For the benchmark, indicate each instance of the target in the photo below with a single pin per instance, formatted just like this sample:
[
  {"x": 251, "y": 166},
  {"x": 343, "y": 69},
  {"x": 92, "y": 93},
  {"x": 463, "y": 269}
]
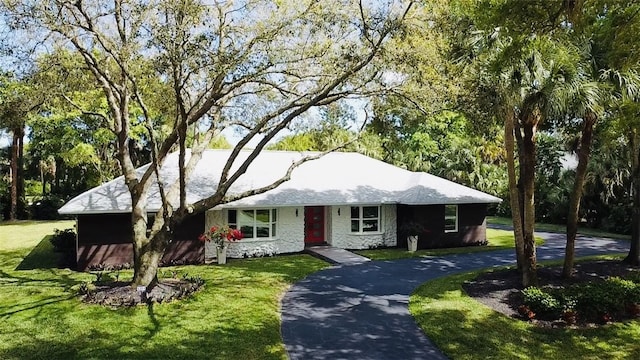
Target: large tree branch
[
  {"x": 324, "y": 92},
  {"x": 219, "y": 198}
]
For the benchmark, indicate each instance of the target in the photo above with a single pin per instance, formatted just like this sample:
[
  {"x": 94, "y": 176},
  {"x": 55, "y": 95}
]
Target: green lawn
[
  {"x": 465, "y": 329},
  {"x": 27, "y": 234},
  {"x": 559, "y": 228},
  {"x": 498, "y": 240},
  {"x": 235, "y": 316}
]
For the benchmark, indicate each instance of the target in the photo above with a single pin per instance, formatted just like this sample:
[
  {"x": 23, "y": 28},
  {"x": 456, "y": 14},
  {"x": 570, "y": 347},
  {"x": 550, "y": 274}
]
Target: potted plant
[
  {"x": 569, "y": 313},
  {"x": 570, "y": 316},
  {"x": 221, "y": 236},
  {"x": 413, "y": 230}
]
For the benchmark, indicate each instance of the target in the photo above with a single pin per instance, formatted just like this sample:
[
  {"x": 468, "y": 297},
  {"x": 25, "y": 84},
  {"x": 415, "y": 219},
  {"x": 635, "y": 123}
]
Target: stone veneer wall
[
  {"x": 342, "y": 237},
  {"x": 289, "y": 235}
]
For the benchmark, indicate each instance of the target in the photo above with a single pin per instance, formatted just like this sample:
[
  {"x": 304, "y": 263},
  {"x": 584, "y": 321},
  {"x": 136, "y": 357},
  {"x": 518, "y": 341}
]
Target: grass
[
  {"x": 497, "y": 240},
  {"x": 559, "y": 228},
  {"x": 27, "y": 234},
  {"x": 235, "y": 315},
  {"x": 465, "y": 329}
]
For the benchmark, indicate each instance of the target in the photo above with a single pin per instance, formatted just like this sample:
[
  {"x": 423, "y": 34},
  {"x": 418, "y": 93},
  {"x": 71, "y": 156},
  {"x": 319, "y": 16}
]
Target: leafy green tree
[
  {"x": 79, "y": 147},
  {"x": 17, "y": 99},
  {"x": 445, "y": 144},
  {"x": 526, "y": 70},
  {"x": 630, "y": 118},
  {"x": 220, "y": 142},
  {"x": 419, "y": 122},
  {"x": 257, "y": 64},
  {"x": 552, "y": 180},
  {"x": 332, "y": 131},
  {"x": 607, "y": 201},
  {"x": 303, "y": 141},
  {"x": 597, "y": 27},
  {"x": 69, "y": 130},
  {"x": 4, "y": 184}
]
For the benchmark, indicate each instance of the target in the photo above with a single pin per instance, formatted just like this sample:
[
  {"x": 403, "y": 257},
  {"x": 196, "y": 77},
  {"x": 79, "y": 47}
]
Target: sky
[{"x": 5, "y": 140}]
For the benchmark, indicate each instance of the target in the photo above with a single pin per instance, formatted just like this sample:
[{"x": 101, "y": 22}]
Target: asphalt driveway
[{"x": 361, "y": 311}]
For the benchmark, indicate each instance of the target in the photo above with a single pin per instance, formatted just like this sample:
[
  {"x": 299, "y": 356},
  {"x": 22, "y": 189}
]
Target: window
[
  {"x": 253, "y": 223},
  {"x": 450, "y": 218},
  {"x": 365, "y": 219}
]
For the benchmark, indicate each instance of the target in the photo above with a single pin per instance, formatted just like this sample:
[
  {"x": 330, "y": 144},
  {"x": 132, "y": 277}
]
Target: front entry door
[{"x": 313, "y": 224}]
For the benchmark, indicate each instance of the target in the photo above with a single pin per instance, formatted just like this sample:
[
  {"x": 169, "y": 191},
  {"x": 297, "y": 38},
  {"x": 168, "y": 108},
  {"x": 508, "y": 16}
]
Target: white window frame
[
  {"x": 361, "y": 219},
  {"x": 455, "y": 217},
  {"x": 272, "y": 223}
]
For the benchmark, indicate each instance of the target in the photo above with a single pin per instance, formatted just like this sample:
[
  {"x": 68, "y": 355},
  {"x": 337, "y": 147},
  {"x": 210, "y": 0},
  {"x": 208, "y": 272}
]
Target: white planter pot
[
  {"x": 222, "y": 255},
  {"x": 412, "y": 243}
]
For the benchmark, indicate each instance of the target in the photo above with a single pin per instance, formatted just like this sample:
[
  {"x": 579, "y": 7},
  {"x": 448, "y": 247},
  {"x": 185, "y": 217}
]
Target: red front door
[{"x": 313, "y": 224}]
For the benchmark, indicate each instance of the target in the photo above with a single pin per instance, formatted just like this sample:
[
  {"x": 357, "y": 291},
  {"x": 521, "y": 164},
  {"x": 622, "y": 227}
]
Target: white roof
[{"x": 338, "y": 178}]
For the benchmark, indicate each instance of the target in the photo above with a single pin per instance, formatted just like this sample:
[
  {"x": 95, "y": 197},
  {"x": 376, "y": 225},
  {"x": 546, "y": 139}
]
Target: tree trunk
[
  {"x": 576, "y": 193},
  {"x": 16, "y": 172},
  {"x": 633, "y": 257},
  {"x": 13, "y": 209},
  {"x": 147, "y": 250},
  {"x": 514, "y": 197},
  {"x": 529, "y": 275},
  {"x": 42, "y": 178},
  {"x": 21, "y": 200}
]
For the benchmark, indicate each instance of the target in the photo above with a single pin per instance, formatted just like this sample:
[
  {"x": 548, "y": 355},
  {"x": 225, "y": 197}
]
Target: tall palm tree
[
  {"x": 630, "y": 116},
  {"x": 13, "y": 106},
  {"x": 609, "y": 74},
  {"x": 530, "y": 77},
  {"x": 588, "y": 97}
]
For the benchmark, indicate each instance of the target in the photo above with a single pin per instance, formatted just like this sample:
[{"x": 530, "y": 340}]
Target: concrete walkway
[
  {"x": 336, "y": 255},
  {"x": 360, "y": 311}
]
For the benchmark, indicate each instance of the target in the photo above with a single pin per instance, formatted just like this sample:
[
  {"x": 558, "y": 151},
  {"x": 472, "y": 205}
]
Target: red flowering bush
[{"x": 220, "y": 235}]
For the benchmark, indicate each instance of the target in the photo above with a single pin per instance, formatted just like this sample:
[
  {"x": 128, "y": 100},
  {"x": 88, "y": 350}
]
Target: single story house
[{"x": 343, "y": 199}]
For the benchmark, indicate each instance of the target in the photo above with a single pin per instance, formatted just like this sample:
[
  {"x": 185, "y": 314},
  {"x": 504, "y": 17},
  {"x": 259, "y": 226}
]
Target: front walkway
[
  {"x": 361, "y": 311},
  {"x": 336, "y": 255}
]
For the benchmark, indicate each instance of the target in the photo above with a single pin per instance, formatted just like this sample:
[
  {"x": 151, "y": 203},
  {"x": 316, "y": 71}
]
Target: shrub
[
  {"x": 594, "y": 301},
  {"x": 609, "y": 296},
  {"x": 63, "y": 240},
  {"x": 541, "y": 302},
  {"x": 259, "y": 251},
  {"x": 196, "y": 280},
  {"x": 46, "y": 208},
  {"x": 619, "y": 218}
]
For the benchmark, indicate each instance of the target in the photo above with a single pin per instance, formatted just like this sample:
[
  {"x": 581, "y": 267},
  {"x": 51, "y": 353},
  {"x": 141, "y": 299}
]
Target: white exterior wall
[
  {"x": 289, "y": 235},
  {"x": 290, "y": 232},
  {"x": 342, "y": 237},
  {"x": 390, "y": 225}
]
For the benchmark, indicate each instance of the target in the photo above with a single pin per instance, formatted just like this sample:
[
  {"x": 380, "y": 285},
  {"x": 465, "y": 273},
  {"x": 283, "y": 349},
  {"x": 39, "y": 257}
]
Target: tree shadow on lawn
[
  {"x": 36, "y": 304},
  {"x": 34, "y": 291},
  {"x": 44, "y": 278},
  {"x": 172, "y": 341},
  {"x": 41, "y": 256},
  {"x": 44, "y": 286}
]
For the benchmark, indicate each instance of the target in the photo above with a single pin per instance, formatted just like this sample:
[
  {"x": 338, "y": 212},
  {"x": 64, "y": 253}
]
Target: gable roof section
[{"x": 337, "y": 178}]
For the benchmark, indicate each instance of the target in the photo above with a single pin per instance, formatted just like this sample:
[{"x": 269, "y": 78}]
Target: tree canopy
[
  {"x": 494, "y": 94},
  {"x": 199, "y": 67}
]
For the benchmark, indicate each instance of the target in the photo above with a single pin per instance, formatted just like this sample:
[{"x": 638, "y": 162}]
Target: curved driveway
[{"x": 361, "y": 311}]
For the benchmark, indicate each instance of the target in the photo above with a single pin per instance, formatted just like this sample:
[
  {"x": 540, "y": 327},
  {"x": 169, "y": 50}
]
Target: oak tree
[{"x": 253, "y": 64}]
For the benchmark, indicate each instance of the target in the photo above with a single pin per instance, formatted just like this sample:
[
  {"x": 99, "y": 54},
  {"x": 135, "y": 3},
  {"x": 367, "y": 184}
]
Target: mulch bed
[
  {"x": 122, "y": 294},
  {"x": 500, "y": 290}
]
